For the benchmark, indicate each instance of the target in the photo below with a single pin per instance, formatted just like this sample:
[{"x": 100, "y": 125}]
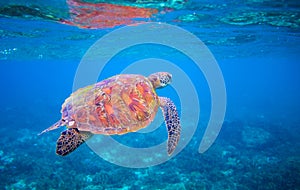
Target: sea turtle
[{"x": 120, "y": 104}]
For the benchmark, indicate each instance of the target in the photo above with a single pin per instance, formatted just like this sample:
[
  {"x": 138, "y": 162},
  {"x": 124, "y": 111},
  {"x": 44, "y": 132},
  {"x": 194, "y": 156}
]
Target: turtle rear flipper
[
  {"x": 172, "y": 123},
  {"x": 69, "y": 140}
]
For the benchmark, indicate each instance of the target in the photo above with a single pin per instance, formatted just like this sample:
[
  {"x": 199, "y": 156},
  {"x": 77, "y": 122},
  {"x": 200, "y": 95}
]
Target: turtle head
[{"x": 160, "y": 79}]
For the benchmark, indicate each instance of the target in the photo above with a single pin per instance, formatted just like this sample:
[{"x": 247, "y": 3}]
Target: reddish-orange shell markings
[{"x": 118, "y": 105}]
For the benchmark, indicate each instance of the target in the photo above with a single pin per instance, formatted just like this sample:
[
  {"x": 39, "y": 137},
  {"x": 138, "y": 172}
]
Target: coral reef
[{"x": 245, "y": 156}]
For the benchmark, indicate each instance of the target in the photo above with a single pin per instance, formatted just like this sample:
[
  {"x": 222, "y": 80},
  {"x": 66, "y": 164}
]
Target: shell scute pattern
[
  {"x": 116, "y": 105},
  {"x": 137, "y": 104}
]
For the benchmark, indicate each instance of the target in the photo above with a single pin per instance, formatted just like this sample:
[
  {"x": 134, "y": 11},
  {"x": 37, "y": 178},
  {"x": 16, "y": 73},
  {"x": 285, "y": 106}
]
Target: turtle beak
[{"x": 170, "y": 78}]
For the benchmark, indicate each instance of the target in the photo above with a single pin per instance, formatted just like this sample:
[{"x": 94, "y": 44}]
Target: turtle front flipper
[
  {"x": 172, "y": 123},
  {"x": 69, "y": 140}
]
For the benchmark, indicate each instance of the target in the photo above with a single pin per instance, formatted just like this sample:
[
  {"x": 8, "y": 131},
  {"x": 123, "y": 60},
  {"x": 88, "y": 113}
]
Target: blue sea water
[{"x": 256, "y": 44}]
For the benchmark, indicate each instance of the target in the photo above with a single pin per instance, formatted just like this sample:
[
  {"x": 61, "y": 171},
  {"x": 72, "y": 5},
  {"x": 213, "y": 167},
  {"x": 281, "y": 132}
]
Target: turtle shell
[{"x": 120, "y": 104}]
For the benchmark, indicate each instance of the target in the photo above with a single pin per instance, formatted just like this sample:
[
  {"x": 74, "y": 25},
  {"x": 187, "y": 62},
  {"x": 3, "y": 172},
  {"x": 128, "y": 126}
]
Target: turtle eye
[
  {"x": 162, "y": 82},
  {"x": 165, "y": 80}
]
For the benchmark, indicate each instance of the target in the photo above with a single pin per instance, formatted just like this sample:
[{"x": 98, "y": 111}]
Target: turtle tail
[{"x": 54, "y": 126}]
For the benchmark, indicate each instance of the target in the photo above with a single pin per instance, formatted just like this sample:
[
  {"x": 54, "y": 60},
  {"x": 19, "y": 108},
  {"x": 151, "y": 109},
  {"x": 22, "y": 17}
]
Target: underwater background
[{"x": 255, "y": 42}]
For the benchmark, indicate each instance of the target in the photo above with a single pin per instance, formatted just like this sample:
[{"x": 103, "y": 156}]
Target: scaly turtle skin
[{"x": 118, "y": 105}]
